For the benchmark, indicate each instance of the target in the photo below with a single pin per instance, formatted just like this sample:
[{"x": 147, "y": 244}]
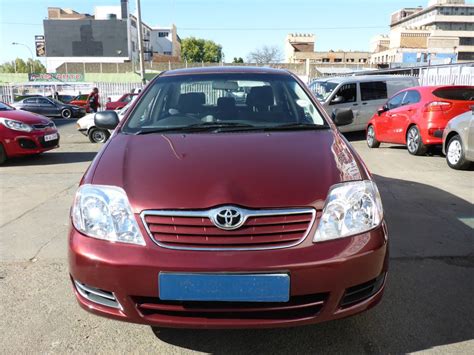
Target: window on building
[
  {"x": 325, "y": 60},
  {"x": 466, "y": 41},
  {"x": 133, "y": 46},
  {"x": 134, "y": 23},
  {"x": 167, "y": 53},
  {"x": 348, "y": 92},
  {"x": 350, "y": 60},
  {"x": 337, "y": 60},
  {"x": 162, "y": 34},
  {"x": 373, "y": 90},
  {"x": 466, "y": 56},
  {"x": 362, "y": 60}
]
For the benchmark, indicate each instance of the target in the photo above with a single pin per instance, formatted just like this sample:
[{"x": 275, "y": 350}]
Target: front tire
[
  {"x": 66, "y": 113},
  {"x": 455, "y": 154},
  {"x": 97, "y": 135},
  {"x": 372, "y": 141},
  {"x": 3, "y": 155},
  {"x": 415, "y": 144}
]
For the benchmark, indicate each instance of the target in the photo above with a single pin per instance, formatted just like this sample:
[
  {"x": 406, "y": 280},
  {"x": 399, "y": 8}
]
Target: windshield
[
  {"x": 322, "y": 89},
  {"x": 229, "y": 102},
  {"x": 5, "y": 107}
]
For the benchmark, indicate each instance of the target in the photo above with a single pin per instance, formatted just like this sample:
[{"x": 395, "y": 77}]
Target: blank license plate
[
  {"x": 50, "y": 137},
  {"x": 224, "y": 287}
]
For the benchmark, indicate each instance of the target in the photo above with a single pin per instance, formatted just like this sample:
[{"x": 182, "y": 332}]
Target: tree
[
  {"x": 20, "y": 66},
  {"x": 200, "y": 50},
  {"x": 265, "y": 54},
  {"x": 238, "y": 60}
]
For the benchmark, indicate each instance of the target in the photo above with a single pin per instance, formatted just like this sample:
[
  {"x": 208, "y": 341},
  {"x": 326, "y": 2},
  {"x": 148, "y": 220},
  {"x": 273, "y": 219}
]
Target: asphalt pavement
[{"x": 427, "y": 305}]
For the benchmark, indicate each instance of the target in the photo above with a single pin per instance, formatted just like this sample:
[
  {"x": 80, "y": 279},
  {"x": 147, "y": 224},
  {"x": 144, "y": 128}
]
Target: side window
[
  {"x": 396, "y": 101},
  {"x": 412, "y": 97},
  {"x": 43, "y": 101},
  {"x": 30, "y": 101},
  {"x": 348, "y": 92},
  {"x": 373, "y": 90}
]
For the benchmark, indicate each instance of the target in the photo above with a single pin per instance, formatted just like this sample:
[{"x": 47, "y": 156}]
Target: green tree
[
  {"x": 238, "y": 60},
  {"x": 20, "y": 66},
  {"x": 200, "y": 50}
]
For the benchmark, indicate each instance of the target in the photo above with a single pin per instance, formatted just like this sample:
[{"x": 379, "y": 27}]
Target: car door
[
  {"x": 30, "y": 105},
  {"x": 345, "y": 97},
  {"x": 390, "y": 117},
  {"x": 403, "y": 115},
  {"x": 47, "y": 107},
  {"x": 373, "y": 94}
]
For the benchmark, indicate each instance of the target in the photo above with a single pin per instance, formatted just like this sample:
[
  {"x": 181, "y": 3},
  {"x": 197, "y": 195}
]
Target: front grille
[
  {"x": 362, "y": 292},
  {"x": 27, "y": 143},
  {"x": 266, "y": 229},
  {"x": 43, "y": 126},
  {"x": 298, "y": 307},
  {"x": 49, "y": 144}
]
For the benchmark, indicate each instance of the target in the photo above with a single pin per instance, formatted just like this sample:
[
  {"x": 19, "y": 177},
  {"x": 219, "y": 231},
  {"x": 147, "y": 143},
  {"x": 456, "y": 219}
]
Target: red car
[
  {"x": 417, "y": 116},
  {"x": 120, "y": 103},
  {"x": 25, "y": 133},
  {"x": 204, "y": 212}
]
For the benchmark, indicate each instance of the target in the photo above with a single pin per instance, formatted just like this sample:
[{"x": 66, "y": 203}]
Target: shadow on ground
[
  {"x": 428, "y": 299},
  {"x": 51, "y": 158}
]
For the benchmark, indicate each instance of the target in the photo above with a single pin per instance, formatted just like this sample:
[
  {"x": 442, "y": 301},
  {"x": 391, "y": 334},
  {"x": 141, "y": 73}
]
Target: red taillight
[{"x": 438, "y": 106}]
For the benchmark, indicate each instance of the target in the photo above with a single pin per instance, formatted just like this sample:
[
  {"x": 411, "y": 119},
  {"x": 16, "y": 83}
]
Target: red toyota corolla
[
  {"x": 211, "y": 209},
  {"x": 417, "y": 116},
  {"x": 25, "y": 133}
]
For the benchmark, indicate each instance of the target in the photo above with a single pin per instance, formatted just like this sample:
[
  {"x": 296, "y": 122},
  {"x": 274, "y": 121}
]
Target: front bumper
[
  {"x": 20, "y": 144},
  {"x": 323, "y": 277}
]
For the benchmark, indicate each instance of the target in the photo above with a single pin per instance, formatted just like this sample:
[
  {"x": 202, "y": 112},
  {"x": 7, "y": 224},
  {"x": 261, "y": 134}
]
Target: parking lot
[{"x": 427, "y": 306}]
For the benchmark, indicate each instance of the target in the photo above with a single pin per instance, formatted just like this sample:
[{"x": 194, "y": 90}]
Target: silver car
[{"x": 458, "y": 141}]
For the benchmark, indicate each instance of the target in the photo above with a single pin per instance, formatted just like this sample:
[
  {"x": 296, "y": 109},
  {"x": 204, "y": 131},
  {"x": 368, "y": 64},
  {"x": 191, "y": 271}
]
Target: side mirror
[
  {"x": 106, "y": 119},
  {"x": 382, "y": 109},
  {"x": 343, "y": 117},
  {"x": 337, "y": 100}
]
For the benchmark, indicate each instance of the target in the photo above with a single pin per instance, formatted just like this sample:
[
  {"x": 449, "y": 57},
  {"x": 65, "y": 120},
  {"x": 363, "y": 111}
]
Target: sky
[{"x": 240, "y": 26}]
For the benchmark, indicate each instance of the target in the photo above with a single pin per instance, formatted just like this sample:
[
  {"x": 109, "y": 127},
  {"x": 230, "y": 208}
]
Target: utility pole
[{"x": 140, "y": 42}]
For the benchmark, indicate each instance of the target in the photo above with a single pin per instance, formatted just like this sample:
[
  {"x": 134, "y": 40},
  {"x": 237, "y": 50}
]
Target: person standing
[{"x": 93, "y": 100}]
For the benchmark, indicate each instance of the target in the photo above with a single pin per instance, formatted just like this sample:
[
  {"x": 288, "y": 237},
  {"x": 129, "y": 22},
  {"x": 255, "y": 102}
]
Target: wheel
[
  {"x": 66, "y": 113},
  {"x": 372, "y": 142},
  {"x": 97, "y": 135},
  {"x": 3, "y": 155},
  {"x": 414, "y": 143},
  {"x": 455, "y": 154}
]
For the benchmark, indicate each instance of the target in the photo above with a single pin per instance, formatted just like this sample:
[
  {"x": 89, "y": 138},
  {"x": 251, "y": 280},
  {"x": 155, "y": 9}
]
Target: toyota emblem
[{"x": 228, "y": 218}]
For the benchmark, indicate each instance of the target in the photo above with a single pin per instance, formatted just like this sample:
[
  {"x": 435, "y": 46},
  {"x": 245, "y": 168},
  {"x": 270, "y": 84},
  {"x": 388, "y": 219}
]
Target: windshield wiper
[
  {"x": 295, "y": 126},
  {"x": 198, "y": 127}
]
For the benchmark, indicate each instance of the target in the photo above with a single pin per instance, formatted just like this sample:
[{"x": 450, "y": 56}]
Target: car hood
[
  {"x": 86, "y": 121},
  {"x": 25, "y": 117},
  {"x": 254, "y": 170}
]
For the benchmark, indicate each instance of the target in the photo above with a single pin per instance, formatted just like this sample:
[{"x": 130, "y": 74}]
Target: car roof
[
  {"x": 359, "y": 78},
  {"x": 226, "y": 70}
]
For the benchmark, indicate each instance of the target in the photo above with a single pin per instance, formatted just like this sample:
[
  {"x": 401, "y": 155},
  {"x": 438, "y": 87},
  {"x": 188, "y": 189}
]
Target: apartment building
[
  {"x": 441, "y": 33},
  {"x": 110, "y": 35},
  {"x": 299, "y": 47}
]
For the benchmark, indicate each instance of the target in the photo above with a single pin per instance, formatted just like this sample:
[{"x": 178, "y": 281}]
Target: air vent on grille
[{"x": 262, "y": 229}]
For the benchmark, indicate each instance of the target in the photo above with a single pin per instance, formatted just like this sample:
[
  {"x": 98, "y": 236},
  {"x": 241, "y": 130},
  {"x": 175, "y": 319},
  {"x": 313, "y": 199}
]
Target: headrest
[
  {"x": 260, "y": 96},
  {"x": 191, "y": 102},
  {"x": 226, "y": 103}
]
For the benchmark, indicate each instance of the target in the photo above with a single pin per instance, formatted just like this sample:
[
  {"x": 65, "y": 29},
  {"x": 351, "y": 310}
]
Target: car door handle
[
  {"x": 364, "y": 103},
  {"x": 355, "y": 104}
]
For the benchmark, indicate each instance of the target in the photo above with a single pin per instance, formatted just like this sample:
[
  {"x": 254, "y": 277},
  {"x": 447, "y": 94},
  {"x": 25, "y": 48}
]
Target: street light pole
[
  {"x": 140, "y": 42},
  {"x": 31, "y": 53}
]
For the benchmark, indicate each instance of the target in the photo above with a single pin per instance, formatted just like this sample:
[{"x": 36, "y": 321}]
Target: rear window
[
  {"x": 373, "y": 90},
  {"x": 463, "y": 94}
]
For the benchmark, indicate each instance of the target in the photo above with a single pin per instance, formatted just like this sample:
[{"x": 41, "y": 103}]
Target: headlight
[
  {"x": 351, "y": 208},
  {"x": 15, "y": 125},
  {"x": 103, "y": 212}
]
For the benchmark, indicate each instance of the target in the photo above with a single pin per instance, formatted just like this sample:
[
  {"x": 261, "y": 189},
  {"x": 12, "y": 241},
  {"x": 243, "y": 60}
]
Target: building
[
  {"x": 108, "y": 36},
  {"x": 441, "y": 33},
  {"x": 300, "y": 47}
]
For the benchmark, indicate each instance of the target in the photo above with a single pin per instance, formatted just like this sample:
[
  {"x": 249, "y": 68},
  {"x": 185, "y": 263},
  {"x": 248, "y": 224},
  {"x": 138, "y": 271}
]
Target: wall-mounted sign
[
  {"x": 40, "y": 46},
  {"x": 70, "y": 77}
]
